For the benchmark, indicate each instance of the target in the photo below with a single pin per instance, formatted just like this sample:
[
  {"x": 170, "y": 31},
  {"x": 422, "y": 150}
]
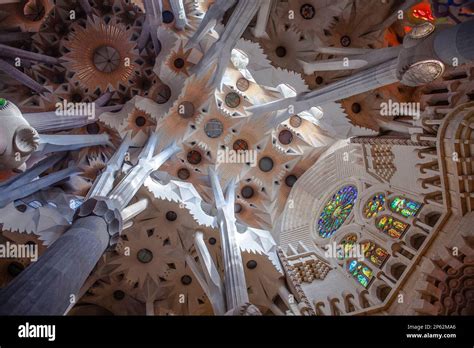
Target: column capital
[{"x": 107, "y": 209}]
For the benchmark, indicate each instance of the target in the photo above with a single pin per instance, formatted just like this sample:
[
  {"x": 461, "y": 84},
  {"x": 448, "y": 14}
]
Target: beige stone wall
[
  {"x": 341, "y": 164},
  {"x": 453, "y": 248},
  {"x": 354, "y": 164}
]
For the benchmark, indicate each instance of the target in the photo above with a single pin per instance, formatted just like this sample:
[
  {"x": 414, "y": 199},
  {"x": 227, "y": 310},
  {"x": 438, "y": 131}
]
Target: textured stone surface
[
  {"x": 107, "y": 210},
  {"x": 48, "y": 286}
]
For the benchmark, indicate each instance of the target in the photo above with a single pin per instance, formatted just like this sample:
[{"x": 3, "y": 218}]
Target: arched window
[
  {"x": 336, "y": 211},
  {"x": 345, "y": 246},
  {"x": 404, "y": 206},
  {"x": 375, "y": 254},
  {"x": 374, "y": 205},
  {"x": 362, "y": 273},
  {"x": 391, "y": 226}
]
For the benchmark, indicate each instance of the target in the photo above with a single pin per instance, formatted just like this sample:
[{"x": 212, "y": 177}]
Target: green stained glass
[
  {"x": 374, "y": 206},
  {"x": 336, "y": 211},
  {"x": 405, "y": 206}
]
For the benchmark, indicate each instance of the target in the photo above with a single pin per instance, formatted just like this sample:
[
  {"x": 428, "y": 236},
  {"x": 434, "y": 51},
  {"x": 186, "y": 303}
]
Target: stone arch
[
  {"x": 417, "y": 240},
  {"x": 397, "y": 270},
  {"x": 382, "y": 292}
]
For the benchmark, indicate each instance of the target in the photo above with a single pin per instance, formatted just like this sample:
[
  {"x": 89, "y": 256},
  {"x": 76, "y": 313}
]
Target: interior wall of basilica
[
  {"x": 409, "y": 208},
  {"x": 236, "y": 157}
]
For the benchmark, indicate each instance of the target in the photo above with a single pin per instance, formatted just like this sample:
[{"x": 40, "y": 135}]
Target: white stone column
[{"x": 234, "y": 277}]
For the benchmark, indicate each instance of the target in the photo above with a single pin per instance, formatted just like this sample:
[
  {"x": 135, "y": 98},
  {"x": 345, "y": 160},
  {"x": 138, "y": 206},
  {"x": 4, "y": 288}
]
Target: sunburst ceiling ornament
[{"x": 102, "y": 55}]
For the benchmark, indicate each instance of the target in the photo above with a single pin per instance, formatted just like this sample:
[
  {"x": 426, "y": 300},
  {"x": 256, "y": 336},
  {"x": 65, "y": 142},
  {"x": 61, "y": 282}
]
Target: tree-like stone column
[
  {"x": 235, "y": 285},
  {"x": 51, "y": 285},
  {"x": 234, "y": 277},
  {"x": 219, "y": 53},
  {"x": 422, "y": 58}
]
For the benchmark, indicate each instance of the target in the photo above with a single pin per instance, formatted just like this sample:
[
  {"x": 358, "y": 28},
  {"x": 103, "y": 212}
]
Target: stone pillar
[
  {"x": 418, "y": 223},
  {"x": 456, "y": 42},
  {"x": 234, "y": 276},
  {"x": 179, "y": 12},
  {"x": 429, "y": 152},
  {"x": 386, "y": 279},
  {"x": 21, "y": 77},
  {"x": 48, "y": 286}
]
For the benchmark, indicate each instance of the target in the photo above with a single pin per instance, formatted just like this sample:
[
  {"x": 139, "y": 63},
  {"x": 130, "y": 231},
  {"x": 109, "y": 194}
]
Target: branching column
[
  {"x": 234, "y": 277},
  {"x": 53, "y": 283}
]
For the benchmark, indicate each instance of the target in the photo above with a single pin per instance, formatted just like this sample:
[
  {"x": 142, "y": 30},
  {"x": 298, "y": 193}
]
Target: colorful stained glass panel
[
  {"x": 375, "y": 254},
  {"x": 374, "y": 206},
  {"x": 391, "y": 226},
  {"x": 346, "y": 245},
  {"x": 405, "y": 206},
  {"x": 336, "y": 211},
  {"x": 360, "y": 272}
]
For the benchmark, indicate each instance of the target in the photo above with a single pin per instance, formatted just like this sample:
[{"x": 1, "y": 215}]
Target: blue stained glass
[
  {"x": 360, "y": 272},
  {"x": 405, "y": 206}
]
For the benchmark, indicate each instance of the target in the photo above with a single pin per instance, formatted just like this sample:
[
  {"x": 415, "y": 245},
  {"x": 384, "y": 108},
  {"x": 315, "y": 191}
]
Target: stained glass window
[
  {"x": 346, "y": 245},
  {"x": 375, "y": 254},
  {"x": 360, "y": 272},
  {"x": 391, "y": 226},
  {"x": 194, "y": 157},
  {"x": 374, "y": 205},
  {"x": 404, "y": 206},
  {"x": 336, "y": 211},
  {"x": 240, "y": 145},
  {"x": 214, "y": 128},
  {"x": 232, "y": 100}
]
